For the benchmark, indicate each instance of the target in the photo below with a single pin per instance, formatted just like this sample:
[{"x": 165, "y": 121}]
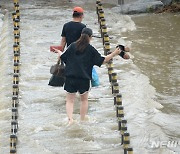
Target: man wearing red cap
[{"x": 72, "y": 30}]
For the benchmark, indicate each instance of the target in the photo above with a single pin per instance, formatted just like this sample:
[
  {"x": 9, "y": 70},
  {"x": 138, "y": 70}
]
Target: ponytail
[{"x": 82, "y": 43}]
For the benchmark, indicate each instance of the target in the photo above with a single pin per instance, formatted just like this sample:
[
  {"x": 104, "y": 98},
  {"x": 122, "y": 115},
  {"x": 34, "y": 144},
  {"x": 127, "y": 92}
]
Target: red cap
[{"x": 78, "y": 9}]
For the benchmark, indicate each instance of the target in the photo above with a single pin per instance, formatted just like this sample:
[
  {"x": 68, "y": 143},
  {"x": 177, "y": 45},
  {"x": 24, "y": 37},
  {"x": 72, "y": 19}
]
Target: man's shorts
[{"x": 73, "y": 85}]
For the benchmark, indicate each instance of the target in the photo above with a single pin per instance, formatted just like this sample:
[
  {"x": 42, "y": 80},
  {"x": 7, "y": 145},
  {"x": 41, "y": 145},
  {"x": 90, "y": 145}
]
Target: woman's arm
[{"x": 111, "y": 55}]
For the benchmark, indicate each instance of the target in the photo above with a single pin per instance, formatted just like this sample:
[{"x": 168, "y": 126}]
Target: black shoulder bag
[{"x": 58, "y": 74}]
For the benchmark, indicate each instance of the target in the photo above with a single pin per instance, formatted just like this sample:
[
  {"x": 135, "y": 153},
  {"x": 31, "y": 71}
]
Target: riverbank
[
  {"x": 148, "y": 6},
  {"x": 173, "y": 8}
]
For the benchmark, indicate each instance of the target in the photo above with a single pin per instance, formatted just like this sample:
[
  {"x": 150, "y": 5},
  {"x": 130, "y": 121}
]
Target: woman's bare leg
[
  {"x": 84, "y": 105},
  {"x": 70, "y": 105}
]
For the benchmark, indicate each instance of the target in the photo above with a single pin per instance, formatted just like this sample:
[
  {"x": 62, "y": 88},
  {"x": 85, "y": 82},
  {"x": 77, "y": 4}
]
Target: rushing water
[
  {"x": 156, "y": 45},
  {"x": 149, "y": 83}
]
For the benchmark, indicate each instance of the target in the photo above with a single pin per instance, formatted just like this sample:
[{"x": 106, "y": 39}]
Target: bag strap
[
  {"x": 59, "y": 60},
  {"x": 62, "y": 63}
]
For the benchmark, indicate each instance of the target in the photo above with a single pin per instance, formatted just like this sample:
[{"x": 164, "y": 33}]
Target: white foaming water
[
  {"x": 5, "y": 84},
  {"x": 1, "y": 21}
]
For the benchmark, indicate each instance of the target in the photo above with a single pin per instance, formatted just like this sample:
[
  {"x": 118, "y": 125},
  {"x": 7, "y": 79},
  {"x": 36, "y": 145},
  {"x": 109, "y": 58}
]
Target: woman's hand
[
  {"x": 58, "y": 51},
  {"x": 117, "y": 51}
]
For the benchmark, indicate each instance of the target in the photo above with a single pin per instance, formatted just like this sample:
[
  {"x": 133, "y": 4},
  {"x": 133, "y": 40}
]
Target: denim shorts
[{"x": 73, "y": 85}]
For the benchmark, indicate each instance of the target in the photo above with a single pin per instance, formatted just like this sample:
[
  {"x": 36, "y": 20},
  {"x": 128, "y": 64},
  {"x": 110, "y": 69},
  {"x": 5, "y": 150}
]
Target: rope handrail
[
  {"x": 15, "y": 86},
  {"x": 122, "y": 123}
]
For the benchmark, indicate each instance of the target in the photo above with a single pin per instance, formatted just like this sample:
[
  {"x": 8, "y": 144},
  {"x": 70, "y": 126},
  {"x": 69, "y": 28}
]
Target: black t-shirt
[
  {"x": 80, "y": 64},
  {"x": 72, "y": 31}
]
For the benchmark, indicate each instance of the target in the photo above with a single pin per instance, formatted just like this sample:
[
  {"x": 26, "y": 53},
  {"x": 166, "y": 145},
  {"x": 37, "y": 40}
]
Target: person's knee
[
  {"x": 127, "y": 49},
  {"x": 70, "y": 97},
  {"x": 126, "y": 56},
  {"x": 84, "y": 97}
]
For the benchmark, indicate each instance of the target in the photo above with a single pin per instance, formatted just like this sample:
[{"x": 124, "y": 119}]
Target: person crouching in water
[{"x": 80, "y": 57}]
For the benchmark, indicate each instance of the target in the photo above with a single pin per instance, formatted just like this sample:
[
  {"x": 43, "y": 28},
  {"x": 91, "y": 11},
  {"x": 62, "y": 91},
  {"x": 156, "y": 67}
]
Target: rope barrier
[
  {"x": 122, "y": 123},
  {"x": 15, "y": 86}
]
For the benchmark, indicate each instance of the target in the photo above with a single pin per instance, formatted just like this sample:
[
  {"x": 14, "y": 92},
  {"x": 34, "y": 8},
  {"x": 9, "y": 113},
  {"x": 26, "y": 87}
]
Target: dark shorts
[{"x": 73, "y": 85}]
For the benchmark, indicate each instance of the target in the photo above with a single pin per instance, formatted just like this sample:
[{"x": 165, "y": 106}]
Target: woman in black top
[{"x": 80, "y": 57}]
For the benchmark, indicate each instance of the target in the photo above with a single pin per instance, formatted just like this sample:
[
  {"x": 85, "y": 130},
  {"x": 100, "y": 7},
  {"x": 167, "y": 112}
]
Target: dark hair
[
  {"x": 82, "y": 42},
  {"x": 77, "y": 14}
]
